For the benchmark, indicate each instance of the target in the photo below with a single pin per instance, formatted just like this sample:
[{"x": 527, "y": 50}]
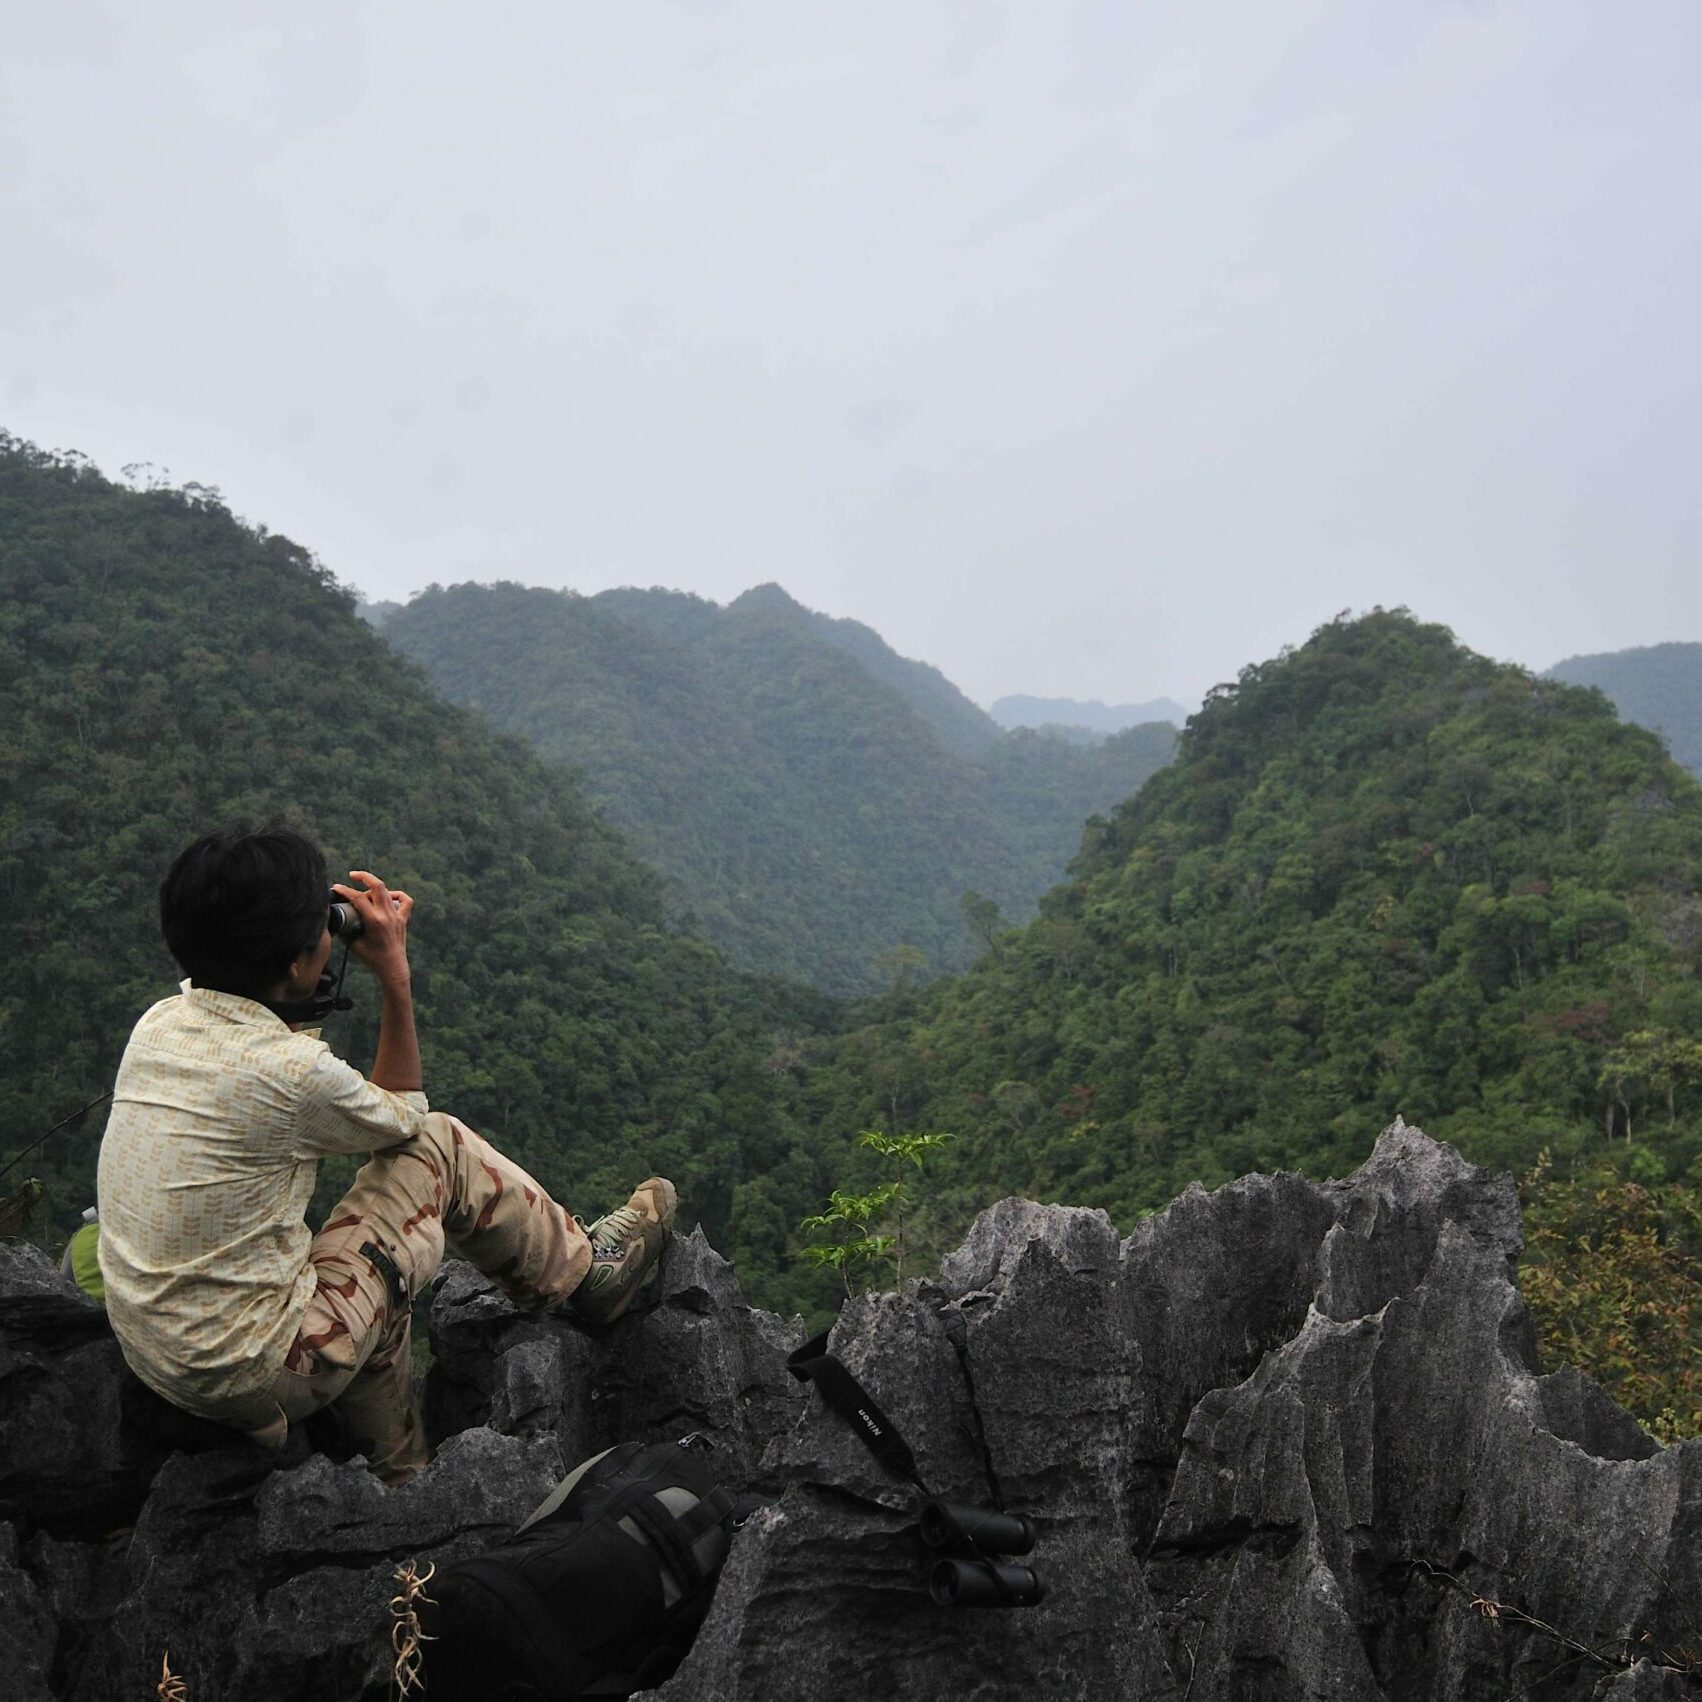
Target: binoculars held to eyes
[{"x": 344, "y": 920}]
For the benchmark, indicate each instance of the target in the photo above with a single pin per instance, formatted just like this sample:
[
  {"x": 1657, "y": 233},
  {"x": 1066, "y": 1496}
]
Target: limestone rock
[
  {"x": 697, "y": 1358},
  {"x": 135, "y": 1537},
  {"x": 83, "y": 1438},
  {"x": 29, "y": 1634},
  {"x": 1277, "y": 1443},
  {"x": 1287, "y": 1440},
  {"x": 276, "y": 1585}
]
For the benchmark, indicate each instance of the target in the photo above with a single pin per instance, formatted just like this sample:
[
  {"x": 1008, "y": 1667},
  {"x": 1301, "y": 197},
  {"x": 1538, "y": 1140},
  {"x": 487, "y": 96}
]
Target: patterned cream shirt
[{"x": 220, "y": 1115}]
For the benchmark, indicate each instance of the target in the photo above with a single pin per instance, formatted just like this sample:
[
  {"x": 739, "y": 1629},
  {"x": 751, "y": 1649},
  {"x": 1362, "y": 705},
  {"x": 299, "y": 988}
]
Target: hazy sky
[{"x": 1078, "y": 349}]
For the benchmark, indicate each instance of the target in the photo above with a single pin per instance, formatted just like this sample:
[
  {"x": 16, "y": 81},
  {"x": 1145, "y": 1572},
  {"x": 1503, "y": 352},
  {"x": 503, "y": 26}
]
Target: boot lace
[{"x": 609, "y": 1234}]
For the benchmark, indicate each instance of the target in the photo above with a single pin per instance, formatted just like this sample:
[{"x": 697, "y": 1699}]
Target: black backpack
[{"x": 599, "y": 1593}]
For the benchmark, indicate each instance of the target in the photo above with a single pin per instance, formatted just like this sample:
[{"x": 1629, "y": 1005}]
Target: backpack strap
[
  {"x": 712, "y": 1509},
  {"x": 665, "y": 1536},
  {"x": 812, "y": 1363}
]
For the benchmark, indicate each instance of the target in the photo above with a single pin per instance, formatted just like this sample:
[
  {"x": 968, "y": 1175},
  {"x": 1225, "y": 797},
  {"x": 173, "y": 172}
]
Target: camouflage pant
[{"x": 383, "y": 1244}]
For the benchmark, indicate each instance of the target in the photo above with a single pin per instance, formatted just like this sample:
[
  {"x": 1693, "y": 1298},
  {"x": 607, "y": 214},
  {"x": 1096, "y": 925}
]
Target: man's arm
[
  {"x": 340, "y": 1110},
  {"x": 397, "y": 1066},
  {"x": 383, "y": 948}
]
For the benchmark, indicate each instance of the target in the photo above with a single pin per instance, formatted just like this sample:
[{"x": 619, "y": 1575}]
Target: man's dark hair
[{"x": 237, "y": 908}]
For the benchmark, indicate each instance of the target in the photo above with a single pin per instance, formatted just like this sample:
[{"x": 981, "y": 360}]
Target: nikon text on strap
[{"x": 812, "y": 1363}]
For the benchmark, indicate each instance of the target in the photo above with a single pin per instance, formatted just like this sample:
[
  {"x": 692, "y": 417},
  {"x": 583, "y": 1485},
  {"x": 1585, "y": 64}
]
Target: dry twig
[
  {"x": 405, "y": 1634},
  {"x": 1686, "y": 1659}
]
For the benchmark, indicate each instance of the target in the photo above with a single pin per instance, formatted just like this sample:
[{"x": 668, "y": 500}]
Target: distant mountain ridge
[
  {"x": 964, "y": 726},
  {"x": 817, "y": 800},
  {"x": 1021, "y": 711},
  {"x": 1659, "y": 686}
]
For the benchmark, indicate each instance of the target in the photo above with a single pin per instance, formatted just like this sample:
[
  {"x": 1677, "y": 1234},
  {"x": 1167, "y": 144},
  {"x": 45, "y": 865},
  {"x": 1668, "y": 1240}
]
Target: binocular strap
[{"x": 812, "y": 1363}]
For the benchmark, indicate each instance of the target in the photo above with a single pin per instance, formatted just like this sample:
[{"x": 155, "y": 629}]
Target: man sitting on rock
[{"x": 221, "y": 1298}]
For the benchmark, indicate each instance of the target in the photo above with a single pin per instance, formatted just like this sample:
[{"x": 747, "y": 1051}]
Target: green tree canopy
[{"x": 1383, "y": 875}]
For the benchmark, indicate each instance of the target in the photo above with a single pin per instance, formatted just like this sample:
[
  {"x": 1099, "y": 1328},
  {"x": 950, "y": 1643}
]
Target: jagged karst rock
[
  {"x": 83, "y": 1437},
  {"x": 1645, "y": 1682},
  {"x": 267, "y": 1575},
  {"x": 1008, "y": 1381},
  {"x": 1575, "y": 1410},
  {"x": 79, "y": 1585},
  {"x": 1284, "y": 1441},
  {"x": 698, "y": 1359},
  {"x": 1275, "y": 1442},
  {"x": 28, "y": 1630},
  {"x": 277, "y": 1585},
  {"x": 1396, "y": 1442}
]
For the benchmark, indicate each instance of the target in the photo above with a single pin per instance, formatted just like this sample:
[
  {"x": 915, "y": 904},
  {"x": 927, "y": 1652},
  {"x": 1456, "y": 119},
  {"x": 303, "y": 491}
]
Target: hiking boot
[{"x": 626, "y": 1252}]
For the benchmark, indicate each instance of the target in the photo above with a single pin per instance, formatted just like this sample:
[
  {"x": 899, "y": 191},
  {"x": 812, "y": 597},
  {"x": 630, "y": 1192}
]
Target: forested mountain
[
  {"x": 1658, "y": 686},
  {"x": 1089, "y": 714},
  {"x": 164, "y": 669},
  {"x": 1383, "y": 875},
  {"x": 818, "y": 802}
]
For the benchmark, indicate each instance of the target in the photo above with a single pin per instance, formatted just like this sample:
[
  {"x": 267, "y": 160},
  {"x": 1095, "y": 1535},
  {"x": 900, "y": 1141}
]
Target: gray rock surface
[
  {"x": 129, "y": 1533},
  {"x": 1276, "y": 1443},
  {"x": 83, "y": 1438},
  {"x": 699, "y": 1360},
  {"x": 28, "y": 1626},
  {"x": 1285, "y": 1441}
]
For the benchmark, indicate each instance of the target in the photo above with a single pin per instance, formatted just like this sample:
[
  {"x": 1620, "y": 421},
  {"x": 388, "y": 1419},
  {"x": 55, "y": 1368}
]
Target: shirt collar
[{"x": 231, "y": 1006}]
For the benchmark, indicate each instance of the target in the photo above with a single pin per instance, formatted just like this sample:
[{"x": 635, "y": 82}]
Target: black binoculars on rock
[
  {"x": 972, "y": 1545},
  {"x": 976, "y": 1576}
]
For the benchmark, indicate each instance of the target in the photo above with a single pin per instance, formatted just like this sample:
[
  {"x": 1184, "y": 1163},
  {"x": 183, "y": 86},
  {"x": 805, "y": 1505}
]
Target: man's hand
[{"x": 383, "y": 946}]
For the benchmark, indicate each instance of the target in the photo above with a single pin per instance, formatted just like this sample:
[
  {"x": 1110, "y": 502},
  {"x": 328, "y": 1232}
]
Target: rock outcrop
[{"x": 1287, "y": 1440}]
